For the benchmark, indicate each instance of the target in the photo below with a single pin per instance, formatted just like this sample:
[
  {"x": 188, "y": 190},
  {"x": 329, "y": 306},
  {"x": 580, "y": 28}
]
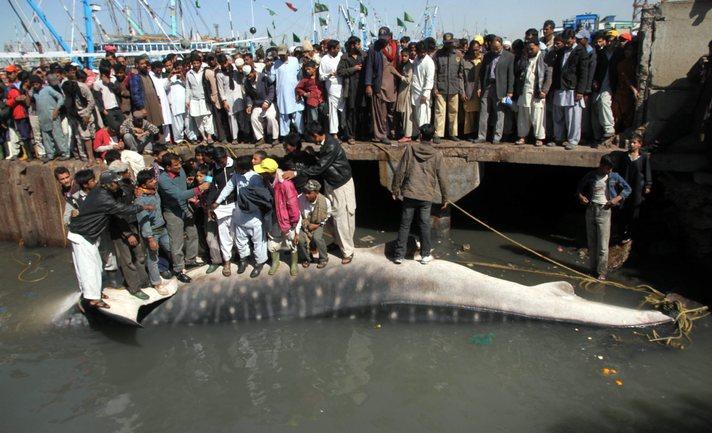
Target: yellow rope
[
  {"x": 682, "y": 317},
  {"x": 28, "y": 266}
]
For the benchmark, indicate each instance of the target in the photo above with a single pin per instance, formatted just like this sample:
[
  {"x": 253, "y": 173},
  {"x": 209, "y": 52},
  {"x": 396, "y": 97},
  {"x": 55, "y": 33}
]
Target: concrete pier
[{"x": 31, "y": 211}]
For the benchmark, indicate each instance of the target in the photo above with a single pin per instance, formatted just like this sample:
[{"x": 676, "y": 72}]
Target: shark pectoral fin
[
  {"x": 558, "y": 288},
  {"x": 124, "y": 307}
]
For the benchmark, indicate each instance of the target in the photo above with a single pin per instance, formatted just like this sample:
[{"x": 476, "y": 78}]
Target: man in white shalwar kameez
[
  {"x": 159, "y": 83},
  {"x": 421, "y": 87},
  {"x": 327, "y": 73},
  {"x": 196, "y": 103}
]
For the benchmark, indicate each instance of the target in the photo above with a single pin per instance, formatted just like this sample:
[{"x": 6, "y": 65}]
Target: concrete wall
[{"x": 680, "y": 34}]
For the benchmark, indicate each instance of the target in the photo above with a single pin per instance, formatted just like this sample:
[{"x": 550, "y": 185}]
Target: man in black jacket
[
  {"x": 603, "y": 85},
  {"x": 85, "y": 230},
  {"x": 496, "y": 89},
  {"x": 570, "y": 79},
  {"x": 224, "y": 169},
  {"x": 333, "y": 167}
]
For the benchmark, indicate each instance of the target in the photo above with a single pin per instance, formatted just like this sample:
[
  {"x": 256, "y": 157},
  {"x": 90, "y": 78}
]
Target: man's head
[
  {"x": 569, "y": 38},
  {"x": 199, "y": 153},
  {"x": 293, "y": 143},
  {"x": 250, "y": 72},
  {"x": 316, "y": 131},
  {"x": 86, "y": 179},
  {"x": 311, "y": 190},
  {"x": 384, "y": 33},
  {"x": 109, "y": 181},
  {"x": 404, "y": 56},
  {"x": 475, "y": 46},
  {"x": 121, "y": 168},
  {"x": 243, "y": 164},
  {"x": 310, "y": 68},
  {"x": 266, "y": 168},
  {"x": 412, "y": 51},
  {"x": 196, "y": 63},
  {"x": 146, "y": 179},
  {"x": 36, "y": 83},
  {"x": 606, "y": 164},
  {"x": 142, "y": 64},
  {"x": 496, "y": 45},
  {"x": 582, "y": 37},
  {"x": 119, "y": 72},
  {"x": 111, "y": 156},
  {"x": 548, "y": 29},
  {"x": 559, "y": 43},
  {"x": 420, "y": 48},
  {"x": 211, "y": 60},
  {"x": 159, "y": 149},
  {"x": 532, "y": 48},
  {"x": 427, "y": 132},
  {"x": 63, "y": 177},
  {"x": 12, "y": 71},
  {"x": 201, "y": 172},
  {"x": 258, "y": 157},
  {"x": 157, "y": 68},
  {"x": 333, "y": 47},
  {"x": 531, "y": 34},
  {"x": 249, "y": 59},
  {"x": 448, "y": 41},
  {"x": 353, "y": 45},
  {"x": 219, "y": 156},
  {"x": 404, "y": 41},
  {"x": 171, "y": 163},
  {"x": 599, "y": 39},
  {"x": 636, "y": 142}
]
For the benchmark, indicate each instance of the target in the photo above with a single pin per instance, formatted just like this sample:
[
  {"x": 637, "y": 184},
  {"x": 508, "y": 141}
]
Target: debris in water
[
  {"x": 589, "y": 338},
  {"x": 465, "y": 247},
  {"x": 576, "y": 329},
  {"x": 599, "y": 357},
  {"x": 608, "y": 371},
  {"x": 619, "y": 382},
  {"x": 482, "y": 339},
  {"x": 560, "y": 249},
  {"x": 378, "y": 326},
  {"x": 367, "y": 238}
]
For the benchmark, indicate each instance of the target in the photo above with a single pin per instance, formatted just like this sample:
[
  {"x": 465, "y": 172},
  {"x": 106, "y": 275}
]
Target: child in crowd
[
  {"x": 210, "y": 225},
  {"x": 152, "y": 226},
  {"x": 310, "y": 89},
  {"x": 316, "y": 210}
]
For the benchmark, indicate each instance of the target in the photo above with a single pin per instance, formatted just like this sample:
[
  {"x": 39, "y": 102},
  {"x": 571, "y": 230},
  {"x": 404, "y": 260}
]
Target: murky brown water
[{"x": 341, "y": 375}]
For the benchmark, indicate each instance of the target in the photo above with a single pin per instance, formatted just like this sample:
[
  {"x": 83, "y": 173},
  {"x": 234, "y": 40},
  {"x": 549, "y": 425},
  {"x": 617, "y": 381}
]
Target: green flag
[
  {"x": 407, "y": 18},
  {"x": 269, "y": 35},
  {"x": 400, "y": 23},
  {"x": 197, "y": 4},
  {"x": 272, "y": 44},
  {"x": 273, "y": 25},
  {"x": 373, "y": 35},
  {"x": 363, "y": 9},
  {"x": 322, "y": 22},
  {"x": 296, "y": 38},
  {"x": 320, "y": 7},
  {"x": 271, "y": 12}
]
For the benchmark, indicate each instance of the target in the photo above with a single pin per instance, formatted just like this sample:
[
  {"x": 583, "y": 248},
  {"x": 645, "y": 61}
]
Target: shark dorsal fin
[{"x": 560, "y": 288}]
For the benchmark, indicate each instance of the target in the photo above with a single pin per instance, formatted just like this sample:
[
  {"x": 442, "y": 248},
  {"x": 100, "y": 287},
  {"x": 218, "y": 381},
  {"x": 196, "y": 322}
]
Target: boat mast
[
  {"x": 229, "y": 15},
  {"x": 154, "y": 17},
  {"x": 132, "y": 24},
  {"x": 88, "y": 29},
  {"x": 23, "y": 20},
  {"x": 41, "y": 15},
  {"x": 174, "y": 24}
]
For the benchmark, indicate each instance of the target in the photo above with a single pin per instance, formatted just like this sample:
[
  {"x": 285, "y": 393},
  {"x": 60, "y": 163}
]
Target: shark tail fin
[{"x": 559, "y": 288}]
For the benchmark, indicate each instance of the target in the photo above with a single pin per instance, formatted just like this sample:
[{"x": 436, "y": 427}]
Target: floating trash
[
  {"x": 367, "y": 238},
  {"x": 608, "y": 371},
  {"x": 482, "y": 339},
  {"x": 619, "y": 382},
  {"x": 465, "y": 247},
  {"x": 378, "y": 326}
]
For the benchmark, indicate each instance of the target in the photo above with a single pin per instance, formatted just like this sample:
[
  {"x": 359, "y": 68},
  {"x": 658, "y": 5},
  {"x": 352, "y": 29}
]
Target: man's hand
[
  {"x": 187, "y": 105},
  {"x": 288, "y": 175},
  {"x": 583, "y": 199},
  {"x": 464, "y": 98},
  {"x": 212, "y": 216},
  {"x": 226, "y": 106},
  {"x": 120, "y": 145},
  {"x": 578, "y": 97},
  {"x": 369, "y": 90},
  {"x": 614, "y": 202},
  {"x": 132, "y": 240},
  {"x": 248, "y": 110},
  {"x": 75, "y": 212},
  {"x": 149, "y": 207},
  {"x": 214, "y": 206},
  {"x": 647, "y": 190},
  {"x": 479, "y": 93},
  {"x": 152, "y": 244},
  {"x": 204, "y": 186},
  {"x": 55, "y": 114},
  {"x": 443, "y": 208},
  {"x": 358, "y": 67},
  {"x": 509, "y": 95},
  {"x": 313, "y": 227},
  {"x": 265, "y": 105},
  {"x": 424, "y": 99},
  {"x": 542, "y": 95}
]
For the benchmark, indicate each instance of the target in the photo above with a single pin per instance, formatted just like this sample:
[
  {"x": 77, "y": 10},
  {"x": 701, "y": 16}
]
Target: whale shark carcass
[{"x": 371, "y": 280}]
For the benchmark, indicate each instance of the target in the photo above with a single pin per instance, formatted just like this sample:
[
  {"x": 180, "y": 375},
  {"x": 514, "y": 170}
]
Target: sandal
[
  {"x": 98, "y": 303},
  {"x": 321, "y": 265},
  {"x": 347, "y": 260},
  {"x": 104, "y": 296},
  {"x": 305, "y": 264},
  {"x": 520, "y": 142}
]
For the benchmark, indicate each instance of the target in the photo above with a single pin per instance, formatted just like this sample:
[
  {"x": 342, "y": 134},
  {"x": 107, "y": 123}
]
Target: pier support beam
[{"x": 463, "y": 177}]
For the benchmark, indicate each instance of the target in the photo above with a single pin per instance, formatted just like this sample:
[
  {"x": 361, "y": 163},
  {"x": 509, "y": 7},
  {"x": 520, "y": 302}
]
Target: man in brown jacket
[{"x": 418, "y": 175}]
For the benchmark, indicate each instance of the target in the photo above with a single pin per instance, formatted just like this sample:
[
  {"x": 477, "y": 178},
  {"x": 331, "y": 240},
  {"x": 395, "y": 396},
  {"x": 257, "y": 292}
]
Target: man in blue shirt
[{"x": 601, "y": 190}]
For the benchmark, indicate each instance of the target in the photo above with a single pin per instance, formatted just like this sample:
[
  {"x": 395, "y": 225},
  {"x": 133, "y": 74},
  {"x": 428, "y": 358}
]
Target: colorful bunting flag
[
  {"x": 407, "y": 18},
  {"x": 320, "y": 7},
  {"x": 291, "y": 6}
]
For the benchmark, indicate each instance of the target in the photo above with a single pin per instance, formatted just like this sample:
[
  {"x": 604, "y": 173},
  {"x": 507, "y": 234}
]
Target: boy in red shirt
[{"x": 309, "y": 89}]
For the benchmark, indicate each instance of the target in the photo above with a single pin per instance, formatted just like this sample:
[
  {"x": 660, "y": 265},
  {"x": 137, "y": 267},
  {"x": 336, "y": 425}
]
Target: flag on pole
[
  {"x": 400, "y": 23},
  {"x": 320, "y": 7},
  {"x": 322, "y": 22},
  {"x": 270, "y": 11},
  {"x": 362, "y": 8},
  {"x": 269, "y": 35},
  {"x": 296, "y": 38},
  {"x": 197, "y": 4},
  {"x": 407, "y": 18},
  {"x": 273, "y": 25},
  {"x": 291, "y": 6},
  {"x": 373, "y": 35}
]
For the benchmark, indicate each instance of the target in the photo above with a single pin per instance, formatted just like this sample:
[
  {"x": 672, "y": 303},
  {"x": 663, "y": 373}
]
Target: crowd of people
[
  {"x": 557, "y": 89},
  {"x": 151, "y": 222}
]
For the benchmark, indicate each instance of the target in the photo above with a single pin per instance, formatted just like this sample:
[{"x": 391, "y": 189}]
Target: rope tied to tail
[{"x": 683, "y": 317}]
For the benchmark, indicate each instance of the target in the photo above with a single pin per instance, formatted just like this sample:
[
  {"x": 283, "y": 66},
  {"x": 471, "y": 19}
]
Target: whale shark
[{"x": 371, "y": 281}]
